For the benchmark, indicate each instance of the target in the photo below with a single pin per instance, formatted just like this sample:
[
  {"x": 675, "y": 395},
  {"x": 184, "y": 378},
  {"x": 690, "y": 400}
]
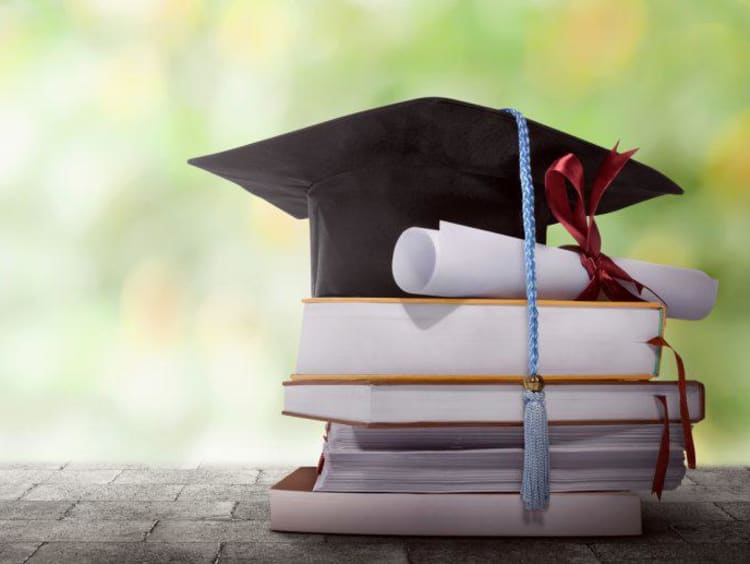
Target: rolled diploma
[{"x": 460, "y": 261}]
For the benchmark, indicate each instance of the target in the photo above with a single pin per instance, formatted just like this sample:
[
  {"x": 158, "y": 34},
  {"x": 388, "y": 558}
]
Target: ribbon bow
[{"x": 605, "y": 276}]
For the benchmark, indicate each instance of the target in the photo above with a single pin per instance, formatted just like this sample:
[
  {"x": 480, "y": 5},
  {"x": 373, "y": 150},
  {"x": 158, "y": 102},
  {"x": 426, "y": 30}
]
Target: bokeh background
[{"x": 150, "y": 311}]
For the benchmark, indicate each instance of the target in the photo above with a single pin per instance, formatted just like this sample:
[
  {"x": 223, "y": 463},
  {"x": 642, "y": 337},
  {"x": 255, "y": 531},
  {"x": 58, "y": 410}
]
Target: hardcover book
[
  {"x": 378, "y": 403},
  {"x": 466, "y": 459},
  {"x": 295, "y": 507},
  {"x": 349, "y": 338}
]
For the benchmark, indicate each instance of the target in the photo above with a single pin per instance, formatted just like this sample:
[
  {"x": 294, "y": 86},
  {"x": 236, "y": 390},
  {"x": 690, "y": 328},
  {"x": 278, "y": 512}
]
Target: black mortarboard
[{"x": 364, "y": 178}]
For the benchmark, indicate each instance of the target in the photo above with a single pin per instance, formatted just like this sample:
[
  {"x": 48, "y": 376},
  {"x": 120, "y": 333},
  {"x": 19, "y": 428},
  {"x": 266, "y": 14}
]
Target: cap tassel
[
  {"x": 535, "y": 486},
  {"x": 535, "y": 483}
]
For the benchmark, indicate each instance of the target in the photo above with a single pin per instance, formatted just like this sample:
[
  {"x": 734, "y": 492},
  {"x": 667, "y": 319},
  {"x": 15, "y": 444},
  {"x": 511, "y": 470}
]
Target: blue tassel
[{"x": 535, "y": 482}]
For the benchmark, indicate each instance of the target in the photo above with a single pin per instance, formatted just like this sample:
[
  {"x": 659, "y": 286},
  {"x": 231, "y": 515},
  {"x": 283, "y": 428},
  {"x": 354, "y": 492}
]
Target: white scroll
[{"x": 459, "y": 261}]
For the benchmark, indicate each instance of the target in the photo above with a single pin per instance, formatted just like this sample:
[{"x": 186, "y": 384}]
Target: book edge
[
  {"x": 488, "y": 301},
  {"x": 288, "y": 513},
  {"x": 413, "y": 424}
]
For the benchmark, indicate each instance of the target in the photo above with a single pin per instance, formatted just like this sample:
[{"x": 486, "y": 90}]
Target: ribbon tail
[
  {"x": 321, "y": 463},
  {"x": 616, "y": 292},
  {"x": 687, "y": 427},
  {"x": 662, "y": 460},
  {"x": 609, "y": 169},
  {"x": 322, "y": 458},
  {"x": 619, "y": 276},
  {"x": 535, "y": 486}
]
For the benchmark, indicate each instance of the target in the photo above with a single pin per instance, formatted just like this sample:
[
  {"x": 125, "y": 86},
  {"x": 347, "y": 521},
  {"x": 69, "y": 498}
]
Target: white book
[
  {"x": 341, "y": 436},
  {"x": 582, "y": 458},
  {"x": 493, "y": 470},
  {"x": 295, "y": 507},
  {"x": 397, "y": 337},
  {"x": 402, "y": 403}
]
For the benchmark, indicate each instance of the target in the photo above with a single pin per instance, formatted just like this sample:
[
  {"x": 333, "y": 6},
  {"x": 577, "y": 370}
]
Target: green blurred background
[{"x": 149, "y": 311}]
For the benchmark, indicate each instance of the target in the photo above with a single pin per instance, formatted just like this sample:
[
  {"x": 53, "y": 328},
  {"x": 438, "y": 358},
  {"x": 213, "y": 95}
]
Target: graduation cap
[{"x": 364, "y": 178}]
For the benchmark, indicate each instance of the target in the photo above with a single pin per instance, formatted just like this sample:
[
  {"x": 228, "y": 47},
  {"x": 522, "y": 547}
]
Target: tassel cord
[{"x": 535, "y": 485}]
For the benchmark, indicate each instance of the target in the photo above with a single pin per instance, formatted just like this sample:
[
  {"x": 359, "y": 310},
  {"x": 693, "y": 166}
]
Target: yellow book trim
[
  {"x": 471, "y": 378},
  {"x": 486, "y": 301}
]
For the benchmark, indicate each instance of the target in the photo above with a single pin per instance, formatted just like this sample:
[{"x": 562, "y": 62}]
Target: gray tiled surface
[{"x": 120, "y": 513}]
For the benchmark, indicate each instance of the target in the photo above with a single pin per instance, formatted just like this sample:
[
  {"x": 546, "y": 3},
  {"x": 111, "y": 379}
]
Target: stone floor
[{"x": 125, "y": 514}]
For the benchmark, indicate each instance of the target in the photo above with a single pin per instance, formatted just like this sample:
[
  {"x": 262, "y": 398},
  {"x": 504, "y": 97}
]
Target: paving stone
[
  {"x": 13, "y": 491},
  {"x": 654, "y": 532},
  {"x": 136, "y": 510},
  {"x": 699, "y": 493},
  {"x": 255, "y": 510},
  {"x": 225, "y": 531},
  {"x": 81, "y": 517},
  {"x": 374, "y": 539},
  {"x": 222, "y": 492},
  {"x": 228, "y": 466},
  {"x": 102, "y": 466},
  {"x": 232, "y": 472},
  {"x": 480, "y": 551},
  {"x": 708, "y": 532},
  {"x": 636, "y": 553},
  {"x": 231, "y": 475},
  {"x": 18, "y": 475},
  {"x": 733, "y": 477},
  {"x": 105, "y": 492},
  {"x": 269, "y": 476},
  {"x": 199, "y": 476},
  {"x": 129, "y": 466},
  {"x": 739, "y": 510},
  {"x": 680, "y": 512},
  {"x": 82, "y": 476},
  {"x": 235, "y": 553},
  {"x": 33, "y": 509},
  {"x": 32, "y": 465},
  {"x": 125, "y": 553},
  {"x": 686, "y": 481},
  {"x": 74, "y": 530},
  {"x": 157, "y": 476},
  {"x": 16, "y": 552}
]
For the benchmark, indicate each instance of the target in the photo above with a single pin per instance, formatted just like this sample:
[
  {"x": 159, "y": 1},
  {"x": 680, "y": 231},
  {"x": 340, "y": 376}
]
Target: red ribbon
[
  {"x": 662, "y": 460},
  {"x": 605, "y": 276},
  {"x": 687, "y": 428},
  {"x": 322, "y": 457}
]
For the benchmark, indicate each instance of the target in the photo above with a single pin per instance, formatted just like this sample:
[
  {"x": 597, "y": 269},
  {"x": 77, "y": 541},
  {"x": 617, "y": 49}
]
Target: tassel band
[{"x": 533, "y": 383}]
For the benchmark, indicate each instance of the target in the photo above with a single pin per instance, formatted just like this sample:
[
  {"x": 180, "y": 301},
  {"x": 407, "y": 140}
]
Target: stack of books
[
  {"x": 422, "y": 397},
  {"x": 423, "y": 409}
]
